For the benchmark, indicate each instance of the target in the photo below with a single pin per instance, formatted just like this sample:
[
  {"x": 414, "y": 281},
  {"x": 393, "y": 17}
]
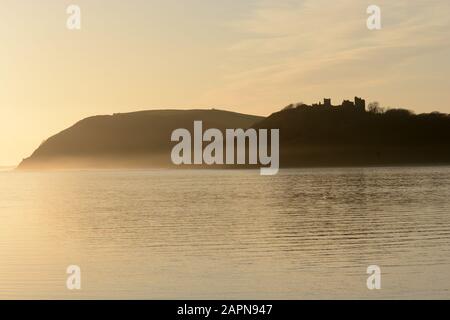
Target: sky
[{"x": 249, "y": 56}]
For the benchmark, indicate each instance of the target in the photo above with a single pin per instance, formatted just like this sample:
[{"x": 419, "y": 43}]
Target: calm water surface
[{"x": 303, "y": 234}]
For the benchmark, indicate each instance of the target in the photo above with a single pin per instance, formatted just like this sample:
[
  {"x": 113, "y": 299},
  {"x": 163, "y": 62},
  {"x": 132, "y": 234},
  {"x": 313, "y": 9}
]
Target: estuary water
[{"x": 226, "y": 234}]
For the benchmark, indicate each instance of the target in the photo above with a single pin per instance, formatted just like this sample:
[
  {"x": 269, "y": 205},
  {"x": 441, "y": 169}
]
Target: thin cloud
[{"x": 311, "y": 45}]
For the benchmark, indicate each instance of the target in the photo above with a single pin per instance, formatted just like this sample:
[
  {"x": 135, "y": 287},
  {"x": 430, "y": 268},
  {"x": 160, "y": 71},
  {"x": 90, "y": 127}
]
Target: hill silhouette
[
  {"x": 317, "y": 135},
  {"x": 128, "y": 140},
  {"x": 323, "y": 135}
]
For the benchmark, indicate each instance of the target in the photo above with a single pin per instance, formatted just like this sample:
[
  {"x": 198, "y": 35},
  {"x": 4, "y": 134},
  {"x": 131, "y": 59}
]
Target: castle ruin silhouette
[{"x": 358, "y": 104}]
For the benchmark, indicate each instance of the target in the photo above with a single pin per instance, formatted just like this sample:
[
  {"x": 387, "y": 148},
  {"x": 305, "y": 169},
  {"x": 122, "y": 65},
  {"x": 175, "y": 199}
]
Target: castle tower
[{"x": 360, "y": 104}]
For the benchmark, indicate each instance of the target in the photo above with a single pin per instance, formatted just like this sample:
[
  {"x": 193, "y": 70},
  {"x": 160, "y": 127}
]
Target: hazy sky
[{"x": 250, "y": 56}]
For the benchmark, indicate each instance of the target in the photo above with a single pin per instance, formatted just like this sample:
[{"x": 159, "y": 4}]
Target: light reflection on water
[{"x": 305, "y": 233}]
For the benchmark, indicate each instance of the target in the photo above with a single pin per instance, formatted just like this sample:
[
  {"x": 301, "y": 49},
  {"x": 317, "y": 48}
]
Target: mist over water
[{"x": 185, "y": 234}]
